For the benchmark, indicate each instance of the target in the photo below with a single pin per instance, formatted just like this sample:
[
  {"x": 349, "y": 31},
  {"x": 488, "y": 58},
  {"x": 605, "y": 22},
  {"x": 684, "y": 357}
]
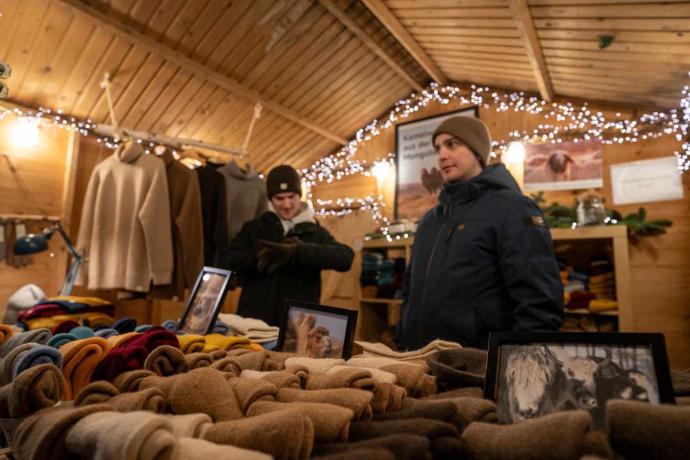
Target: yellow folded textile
[
  {"x": 115, "y": 341},
  {"x": 80, "y": 359},
  {"x": 191, "y": 343},
  {"x": 221, "y": 342},
  {"x": 96, "y": 319},
  {"x": 92, "y": 301},
  {"x": 603, "y": 305},
  {"x": 6, "y": 332},
  {"x": 254, "y": 347}
]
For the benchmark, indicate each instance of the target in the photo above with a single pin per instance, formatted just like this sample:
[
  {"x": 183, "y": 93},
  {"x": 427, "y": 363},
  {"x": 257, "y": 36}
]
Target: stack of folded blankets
[
  {"x": 255, "y": 330},
  {"x": 390, "y": 278},
  {"x": 371, "y": 263},
  {"x": 87, "y": 311}
]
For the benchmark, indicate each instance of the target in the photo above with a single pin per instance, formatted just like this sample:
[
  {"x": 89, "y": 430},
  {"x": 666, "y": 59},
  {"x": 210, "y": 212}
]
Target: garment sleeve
[
  {"x": 240, "y": 254},
  {"x": 327, "y": 254},
  {"x": 529, "y": 269},
  {"x": 262, "y": 203},
  {"x": 191, "y": 231},
  {"x": 154, "y": 217},
  {"x": 86, "y": 227}
]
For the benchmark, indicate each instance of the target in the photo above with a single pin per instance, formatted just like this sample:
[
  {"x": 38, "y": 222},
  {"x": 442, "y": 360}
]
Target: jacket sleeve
[
  {"x": 327, "y": 254},
  {"x": 240, "y": 254},
  {"x": 86, "y": 227},
  {"x": 529, "y": 268}
]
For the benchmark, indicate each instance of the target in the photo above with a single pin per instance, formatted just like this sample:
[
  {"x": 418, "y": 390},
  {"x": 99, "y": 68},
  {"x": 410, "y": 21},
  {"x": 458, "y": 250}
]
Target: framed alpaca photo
[
  {"x": 534, "y": 374},
  {"x": 205, "y": 301},
  {"x": 418, "y": 178},
  {"x": 317, "y": 331},
  {"x": 564, "y": 165}
]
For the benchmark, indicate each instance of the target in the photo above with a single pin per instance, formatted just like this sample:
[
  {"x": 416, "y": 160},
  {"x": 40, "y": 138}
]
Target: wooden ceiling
[{"x": 322, "y": 69}]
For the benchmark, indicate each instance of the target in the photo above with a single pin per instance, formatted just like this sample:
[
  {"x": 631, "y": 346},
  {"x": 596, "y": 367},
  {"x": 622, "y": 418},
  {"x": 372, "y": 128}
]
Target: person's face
[
  {"x": 455, "y": 159},
  {"x": 287, "y": 204}
]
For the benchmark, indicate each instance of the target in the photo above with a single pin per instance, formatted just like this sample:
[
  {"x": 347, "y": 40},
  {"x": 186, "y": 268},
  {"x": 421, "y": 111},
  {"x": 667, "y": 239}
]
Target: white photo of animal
[{"x": 563, "y": 166}]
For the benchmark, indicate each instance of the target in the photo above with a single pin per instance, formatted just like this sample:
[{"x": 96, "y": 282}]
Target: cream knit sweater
[{"x": 125, "y": 231}]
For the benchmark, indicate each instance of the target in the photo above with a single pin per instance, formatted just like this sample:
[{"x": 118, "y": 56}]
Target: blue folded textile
[
  {"x": 40, "y": 354},
  {"x": 124, "y": 325},
  {"x": 170, "y": 325},
  {"x": 143, "y": 328},
  {"x": 59, "y": 340},
  {"x": 82, "y": 332},
  {"x": 220, "y": 328},
  {"x": 105, "y": 333}
]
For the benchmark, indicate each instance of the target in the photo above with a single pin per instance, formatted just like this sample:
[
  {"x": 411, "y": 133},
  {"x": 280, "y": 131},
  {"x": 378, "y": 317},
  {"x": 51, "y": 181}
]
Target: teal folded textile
[{"x": 59, "y": 340}]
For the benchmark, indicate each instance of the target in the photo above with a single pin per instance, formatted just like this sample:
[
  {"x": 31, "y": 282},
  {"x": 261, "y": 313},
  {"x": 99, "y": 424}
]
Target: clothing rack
[{"x": 30, "y": 217}]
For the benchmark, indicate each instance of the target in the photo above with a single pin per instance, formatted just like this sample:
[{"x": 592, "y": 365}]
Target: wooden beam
[
  {"x": 400, "y": 32},
  {"x": 525, "y": 25},
  {"x": 131, "y": 35},
  {"x": 348, "y": 22}
]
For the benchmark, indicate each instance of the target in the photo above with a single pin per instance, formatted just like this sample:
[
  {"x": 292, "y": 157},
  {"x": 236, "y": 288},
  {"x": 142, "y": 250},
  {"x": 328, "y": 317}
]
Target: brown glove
[{"x": 271, "y": 256}]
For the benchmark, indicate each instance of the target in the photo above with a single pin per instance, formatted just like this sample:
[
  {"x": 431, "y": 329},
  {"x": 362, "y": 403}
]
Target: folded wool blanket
[
  {"x": 469, "y": 392},
  {"x": 596, "y": 444},
  {"x": 191, "y": 343},
  {"x": 94, "y": 319},
  {"x": 40, "y": 336},
  {"x": 268, "y": 433},
  {"x": 110, "y": 435},
  {"x": 6, "y": 332},
  {"x": 80, "y": 359},
  {"x": 387, "y": 398},
  {"x": 249, "y": 327},
  {"x": 7, "y": 363},
  {"x": 446, "y": 447},
  {"x": 150, "y": 399},
  {"x": 281, "y": 356},
  {"x": 165, "y": 384},
  {"x": 339, "y": 377},
  {"x": 204, "y": 390},
  {"x": 354, "y": 454},
  {"x": 379, "y": 349},
  {"x": 331, "y": 423},
  {"x": 281, "y": 379},
  {"x": 314, "y": 365},
  {"x": 190, "y": 425},
  {"x": 413, "y": 379},
  {"x": 60, "y": 339},
  {"x": 53, "y": 309},
  {"x": 196, "y": 360},
  {"x": 254, "y": 360},
  {"x": 403, "y": 446},
  {"x": 463, "y": 367},
  {"x": 359, "y": 401},
  {"x": 129, "y": 381},
  {"x": 199, "y": 449},
  {"x": 221, "y": 342},
  {"x": 153, "y": 338},
  {"x": 43, "y": 435},
  {"x": 458, "y": 411},
  {"x": 96, "y": 393},
  {"x": 552, "y": 437},
  {"x": 379, "y": 362},
  {"x": 91, "y": 301},
  {"x": 170, "y": 325},
  {"x": 428, "y": 428},
  {"x": 217, "y": 354},
  {"x": 82, "y": 332},
  {"x": 166, "y": 360},
  {"x": 124, "y": 325},
  {"x": 119, "y": 360},
  {"x": 64, "y": 327},
  {"x": 640, "y": 430},
  {"x": 247, "y": 391},
  {"x": 115, "y": 341},
  {"x": 376, "y": 374},
  {"x": 37, "y": 388}
]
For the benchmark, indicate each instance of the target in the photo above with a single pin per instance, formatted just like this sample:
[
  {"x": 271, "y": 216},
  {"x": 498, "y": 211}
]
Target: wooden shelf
[
  {"x": 378, "y": 300},
  {"x": 383, "y": 243},
  {"x": 588, "y": 233},
  {"x": 584, "y": 311}
]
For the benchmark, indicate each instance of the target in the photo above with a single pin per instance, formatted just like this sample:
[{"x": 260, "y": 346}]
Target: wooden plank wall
[{"x": 660, "y": 266}]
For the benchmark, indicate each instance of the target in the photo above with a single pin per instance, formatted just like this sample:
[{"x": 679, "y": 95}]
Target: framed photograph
[
  {"x": 418, "y": 178},
  {"x": 533, "y": 374},
  {"x": 317, "y": 331},
  {"x": 205, "y": 301},
  {"x": 564, "y": 166}
]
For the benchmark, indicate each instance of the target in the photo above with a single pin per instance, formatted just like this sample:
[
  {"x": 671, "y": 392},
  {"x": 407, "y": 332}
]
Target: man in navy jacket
[{"x": 483, "y": 259}]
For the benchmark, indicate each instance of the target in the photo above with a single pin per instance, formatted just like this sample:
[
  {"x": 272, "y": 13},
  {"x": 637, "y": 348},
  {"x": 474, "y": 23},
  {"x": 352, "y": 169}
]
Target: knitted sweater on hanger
[{"x": 246, "y": 196}]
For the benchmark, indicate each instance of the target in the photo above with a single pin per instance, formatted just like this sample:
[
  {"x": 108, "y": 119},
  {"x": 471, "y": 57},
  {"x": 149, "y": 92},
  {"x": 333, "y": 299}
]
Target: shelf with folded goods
[
  {"x": 381, "y": 300},
  {"x": 584, "y": 311}
]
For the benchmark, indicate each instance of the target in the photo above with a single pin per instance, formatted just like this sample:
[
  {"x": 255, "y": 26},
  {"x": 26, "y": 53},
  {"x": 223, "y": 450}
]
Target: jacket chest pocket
[{"x": 469, "y": 243}]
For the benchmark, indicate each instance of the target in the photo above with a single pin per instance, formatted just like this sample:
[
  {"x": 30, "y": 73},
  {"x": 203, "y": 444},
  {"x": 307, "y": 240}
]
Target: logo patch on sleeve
[{"x": 537, "y": 221}]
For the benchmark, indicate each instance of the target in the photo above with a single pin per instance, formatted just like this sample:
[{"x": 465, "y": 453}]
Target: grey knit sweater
[{"x": 247, "y": 198}]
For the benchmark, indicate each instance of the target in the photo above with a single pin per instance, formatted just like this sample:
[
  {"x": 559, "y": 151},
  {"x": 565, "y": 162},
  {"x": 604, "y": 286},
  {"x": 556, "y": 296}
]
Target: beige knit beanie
[{"x": 470, "y": 130}]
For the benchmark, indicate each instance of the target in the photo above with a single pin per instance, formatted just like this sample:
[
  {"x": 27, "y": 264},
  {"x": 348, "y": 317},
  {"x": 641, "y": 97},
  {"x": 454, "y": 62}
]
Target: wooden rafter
[
  {"x": 525, "y": 25},
  {"x": 399, "y": 31},
  {"x": 347, "y": 21},
  {"x": 131, "y": 35}
]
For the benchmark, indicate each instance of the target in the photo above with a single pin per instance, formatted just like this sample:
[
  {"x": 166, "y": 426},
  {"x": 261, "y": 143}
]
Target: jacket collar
[
  {"x": 306, "y": 215},
  {"x": 459, "y": 192}
]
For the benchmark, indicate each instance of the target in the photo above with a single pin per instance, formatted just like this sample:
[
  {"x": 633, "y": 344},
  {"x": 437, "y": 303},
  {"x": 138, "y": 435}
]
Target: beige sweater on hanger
[{"x": 125, "y": 230}]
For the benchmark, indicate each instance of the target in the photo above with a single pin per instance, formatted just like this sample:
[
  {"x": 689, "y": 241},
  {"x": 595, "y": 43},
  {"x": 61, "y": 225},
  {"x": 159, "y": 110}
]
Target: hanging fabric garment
[
  {"x": 187, "y": 231},
  {"x": 125, "y": 232},
  {"x": 246, "y": 194},
  {"x": 214, "y": 210}
]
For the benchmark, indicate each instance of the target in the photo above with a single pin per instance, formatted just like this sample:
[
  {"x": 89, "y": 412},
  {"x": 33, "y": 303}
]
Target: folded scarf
[
  {"x": 116, "y": 340},
  {"x": 379, "y": 362},
  {"x": 331, "y": 423},
  {"x": 43, "y": 434},
  {"x": 60, "y": 339},
  {"x": 82, "y": 332},
  {"x": 39, "y": 354},
  {"x": 281, "y": 379},
  {"x": 554, "y": 436},
  {"x": 403, "y": 446},
  {"x": 359, "y": 401},
  {"x": 387, "y": 398},
  {"x": 36, "y": 336},
  {"x": 64, "y": 327},
  {"x": 166, "y": 360},
  {"x": 129, "y": 381},
  {"x": 190, "y": 425},
  {"x": 252, "y": 360},
  {"x": 143, "y": 328},
  {"x": 7, "y": 363},
  {"x": 191, "y": 343},
  {"x": 446, "y": 447},
  {"x": 109, "y": 435},
  {"x": 469, "y": 392},
  {"x": 124, "y": 325},
  {"x": 640, "y": 430},
  {"x": 376, "y": 374},
  {"x": 464, "y": 367},
  {"x": 379, "y": 349},
  {"x": 596, "y": 444},
  {"x": 152, "y": 338},
  {"x": 268, "y": 433},
  {"x": 196, "y": 360},
  {"x": 248, "y": 391},
  {"x": 313, "y": 364},
  {"x": 339, "y": 377},
  {"x": 170, "y": 325},
  {"x": 119, "y": 360},
  {"x": 107, "y": 332},
  {"x": 458, "y": 411},
  {"x": 217, "y": 354},
  {"x": 80, "y": 359},
  {"x": 249, "y": 327},
  {"x": 52, "y": 309},
  {"x": 413, "y": 379},
  {"x": 204, "y": 390},
  {"x": 221, "y": 342},
  {"x": 150, "y": 399},
  {"x": 198, "y": 449},
  {"x": 220, "y": 328},
  {"x": 96, "y": 393},
  {"x": 93, "y": 319},
  {"x": 428, "y": 428},
  {"x": 92, "y": 301},
  {"x": 6, "y": 332},
  {"x": 37, "y": 388}
]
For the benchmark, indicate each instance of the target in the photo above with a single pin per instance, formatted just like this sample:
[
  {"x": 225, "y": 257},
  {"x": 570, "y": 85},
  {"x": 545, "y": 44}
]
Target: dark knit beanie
[
  {"x": 470, "y": 130},
  {"x": 283, "y": 178}
]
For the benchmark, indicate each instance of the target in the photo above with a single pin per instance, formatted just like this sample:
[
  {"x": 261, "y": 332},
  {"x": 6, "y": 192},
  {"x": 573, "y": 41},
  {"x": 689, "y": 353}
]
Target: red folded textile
[
  {"x": 119, "y": 360},
  {"x": 151, "y": 339},
  {"x": 64, "y": 327},
  {"x": 53, "y": 309},
  {"x": 580, "y": 299}
]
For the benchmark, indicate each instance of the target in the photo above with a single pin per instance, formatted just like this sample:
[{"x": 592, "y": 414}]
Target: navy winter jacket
[{"x": 482, "y": 261}]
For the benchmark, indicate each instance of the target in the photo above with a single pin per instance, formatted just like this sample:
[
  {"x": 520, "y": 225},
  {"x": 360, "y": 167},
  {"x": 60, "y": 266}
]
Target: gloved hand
[{"x": 271, "y": 255}]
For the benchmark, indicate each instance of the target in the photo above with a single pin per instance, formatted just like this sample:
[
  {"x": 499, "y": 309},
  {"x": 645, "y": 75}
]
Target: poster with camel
[
  {"x": 542, "y": 377},
  {"x": 418, "y": 179},
  {"x": 563, "y": 166}
]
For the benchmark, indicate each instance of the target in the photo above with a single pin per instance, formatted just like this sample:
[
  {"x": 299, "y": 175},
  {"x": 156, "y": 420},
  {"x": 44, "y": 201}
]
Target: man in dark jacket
[
  {"x": 482, "y": 259},
  {"x": 280, "y": 254}
]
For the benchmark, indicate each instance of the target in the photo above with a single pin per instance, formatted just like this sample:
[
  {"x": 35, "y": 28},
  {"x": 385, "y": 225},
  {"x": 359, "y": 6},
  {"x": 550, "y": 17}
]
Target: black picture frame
[
  {"x": 287, "y": 333},
  {"x": 202, "y": 307},
  {"x": 396, "y": 207},
  {"x": 609, "y": 378}
]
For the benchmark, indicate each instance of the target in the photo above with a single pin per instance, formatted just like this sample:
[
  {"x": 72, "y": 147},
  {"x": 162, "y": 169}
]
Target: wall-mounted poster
[
  {"x": 646, "y": 181},
  {"x": 418, "y": 179},
  {"x": 563, "y": 166}
]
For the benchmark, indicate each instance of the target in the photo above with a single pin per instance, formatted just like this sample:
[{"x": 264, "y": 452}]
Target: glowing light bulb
[
  {"x": 25, "y": 132},
  {"x": 515, "y": 153}
]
